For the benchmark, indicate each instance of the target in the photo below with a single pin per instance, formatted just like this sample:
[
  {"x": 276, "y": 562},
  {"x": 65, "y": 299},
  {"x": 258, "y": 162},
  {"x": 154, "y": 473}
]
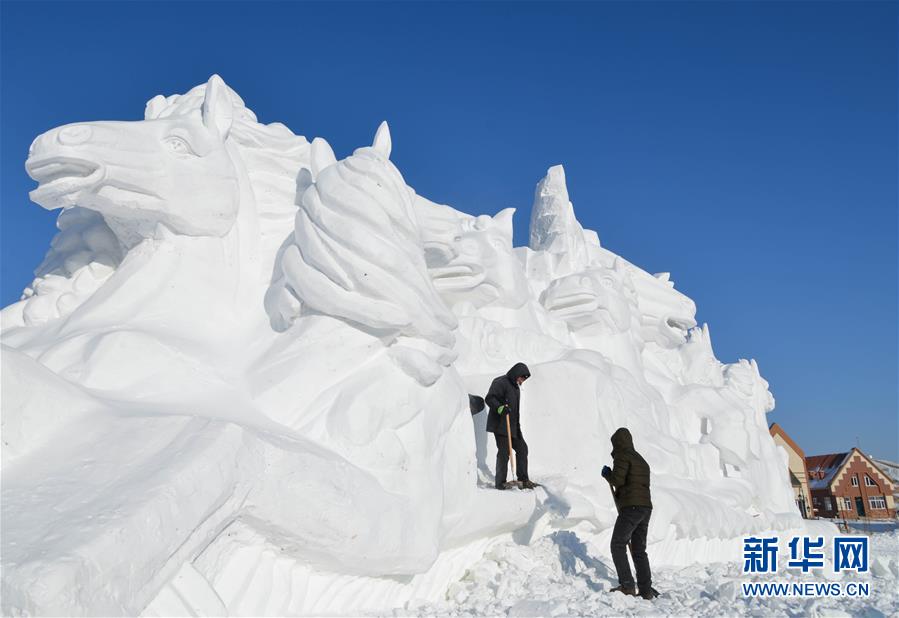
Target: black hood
[
  {"x": 518, "y": 370},
  {"x": 622, "y": 440}
]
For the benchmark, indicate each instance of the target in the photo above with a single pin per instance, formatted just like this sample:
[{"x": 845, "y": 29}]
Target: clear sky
[{"x": 749, "y": 148}]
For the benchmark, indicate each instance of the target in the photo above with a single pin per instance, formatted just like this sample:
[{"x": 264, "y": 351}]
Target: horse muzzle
[
  {"x": 58, "y": 161},
  {"x": 61, "y": 179}
]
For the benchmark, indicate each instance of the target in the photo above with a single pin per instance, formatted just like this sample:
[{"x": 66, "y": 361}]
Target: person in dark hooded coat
[
  {"x": 503, "y": 399},
  {"x": 629, "y": 479}
]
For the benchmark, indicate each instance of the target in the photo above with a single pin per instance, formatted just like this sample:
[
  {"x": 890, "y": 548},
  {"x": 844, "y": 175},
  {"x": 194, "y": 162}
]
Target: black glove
[{"x": 606, "y": 472}]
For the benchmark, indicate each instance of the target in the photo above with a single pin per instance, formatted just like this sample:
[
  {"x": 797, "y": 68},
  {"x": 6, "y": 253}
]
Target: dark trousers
[
  {"x": 631, "y": 527},
  {"x": 502, "y": 458}
]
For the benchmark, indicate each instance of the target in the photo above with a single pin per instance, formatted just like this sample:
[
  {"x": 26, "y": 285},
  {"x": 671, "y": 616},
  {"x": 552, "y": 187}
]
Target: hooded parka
[
  {"x": 630, "y": 472},
  {"x": 504, "y": 391}
]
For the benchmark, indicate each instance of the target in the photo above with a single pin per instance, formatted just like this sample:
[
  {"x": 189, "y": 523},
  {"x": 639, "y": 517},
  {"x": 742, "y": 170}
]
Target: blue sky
[{"x": 748, "y": 148}]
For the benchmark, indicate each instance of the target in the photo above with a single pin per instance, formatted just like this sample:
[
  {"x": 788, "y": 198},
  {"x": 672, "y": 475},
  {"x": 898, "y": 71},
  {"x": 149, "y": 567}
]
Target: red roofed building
[{"x": 848, "y": 486}]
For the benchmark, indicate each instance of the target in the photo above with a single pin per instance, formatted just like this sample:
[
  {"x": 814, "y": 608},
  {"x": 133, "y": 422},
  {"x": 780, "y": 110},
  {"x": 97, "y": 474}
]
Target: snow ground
[
  {"x": 873, "y": 526},
  {"x": 561, "y": 575}
]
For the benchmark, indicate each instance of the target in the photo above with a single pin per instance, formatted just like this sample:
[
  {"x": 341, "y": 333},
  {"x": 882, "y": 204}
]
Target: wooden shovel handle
[{"x": 511, "y": 452}]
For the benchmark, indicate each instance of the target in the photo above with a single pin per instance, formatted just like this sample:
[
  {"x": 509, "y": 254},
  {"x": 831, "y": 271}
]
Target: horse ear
[
  {"x": 382, "y": 142},
  {"x": 503, "y": 221},
  {"x": 322, "y": 156},
  {"x": 154, "y": 107},
  {"x": 218, "y": 111}
]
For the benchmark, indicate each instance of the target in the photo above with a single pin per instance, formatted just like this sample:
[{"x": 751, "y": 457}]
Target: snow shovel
[
  {"x": 630, "y": 545},
  {"x": 511, "y": 453},
  {"x": 475, "y": 404}
]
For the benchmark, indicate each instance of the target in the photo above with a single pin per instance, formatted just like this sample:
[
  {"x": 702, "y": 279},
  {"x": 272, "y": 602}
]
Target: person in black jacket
[
  {"x": 630, "y": 485},
  {"x": 503, "y": 398}
]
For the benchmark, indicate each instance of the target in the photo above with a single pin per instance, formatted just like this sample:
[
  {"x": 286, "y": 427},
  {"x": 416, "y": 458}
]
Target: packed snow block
[
  {"x": 388, "y": 462},
  {"x": 386, "y": 469},
  {"x": 337, "y": 517},
  {"x": 470, "y": 512},
  {"x": 101, "y": 526},
  {"x": 571, "y": 407},
  {"x": 37, "y": 405},
  {"x": 253, "y": 575},
  {"x": 563, "y": 421},
  {"x": 490, "y": 514},
  {"x": 188, "y": 593}
]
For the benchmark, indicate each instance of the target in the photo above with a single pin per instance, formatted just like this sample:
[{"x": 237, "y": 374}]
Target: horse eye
[{"x": 179, "y": 146}]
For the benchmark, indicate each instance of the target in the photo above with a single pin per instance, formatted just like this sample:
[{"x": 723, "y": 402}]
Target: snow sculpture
[
  {"x": 603, "y": 299},
  {"x": 554, "y": 228},
  {"x": 613, "y": 366},
  {"x": 350, "y": 285},
  {"x": 474, "y": 263},
  {"x": 177, "y": 170},
  {"x": 80, "y": 259},
  {"x": 357, "y": 254},
  {"x": 140, "y": 365},
  {"x": 241, "y": 350},
  {"x": 178, "y": 219}
]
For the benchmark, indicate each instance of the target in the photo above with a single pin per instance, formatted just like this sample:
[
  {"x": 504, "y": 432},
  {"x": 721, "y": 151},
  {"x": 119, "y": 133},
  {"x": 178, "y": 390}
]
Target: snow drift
[{"x": 239, "y": 381}]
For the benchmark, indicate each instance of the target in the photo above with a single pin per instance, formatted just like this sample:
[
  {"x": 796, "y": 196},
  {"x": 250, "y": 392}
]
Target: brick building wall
[{"x": 858, "y": 489}]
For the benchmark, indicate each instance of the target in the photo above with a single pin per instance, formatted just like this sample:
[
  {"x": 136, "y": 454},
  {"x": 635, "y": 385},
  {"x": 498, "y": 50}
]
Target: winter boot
[
  {"x": 628, "y": 590},
  {"x": 528, "y": 485},
  {"x": 649, "y": 594}
]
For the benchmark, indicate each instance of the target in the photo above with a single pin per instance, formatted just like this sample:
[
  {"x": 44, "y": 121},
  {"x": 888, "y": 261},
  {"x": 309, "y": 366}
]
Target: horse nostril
[{"x": 76, "y": 134}]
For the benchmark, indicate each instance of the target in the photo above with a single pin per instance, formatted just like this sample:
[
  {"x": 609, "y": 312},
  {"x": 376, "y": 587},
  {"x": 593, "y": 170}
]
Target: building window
[
  {"x": 869, "y": 482},
  {"x": 855, "y": 480},
  {"x": 877, "y": 502},
  {"x": 828, "y": 505},
  {"x": 847, "y": 504}
]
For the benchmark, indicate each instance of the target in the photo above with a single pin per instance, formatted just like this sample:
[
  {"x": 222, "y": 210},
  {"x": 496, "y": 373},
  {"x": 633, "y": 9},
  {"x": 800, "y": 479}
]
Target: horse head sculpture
[{"x": 174, "y": 170}]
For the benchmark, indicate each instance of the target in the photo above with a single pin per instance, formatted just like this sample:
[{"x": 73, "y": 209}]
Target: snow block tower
[{"x": 554, "y": 227}]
